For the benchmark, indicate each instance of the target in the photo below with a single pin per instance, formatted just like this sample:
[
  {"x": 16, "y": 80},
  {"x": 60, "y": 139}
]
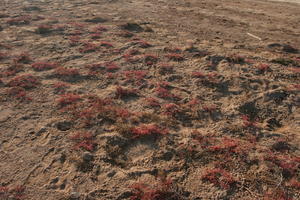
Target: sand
[{"x": 168, "y": 100}]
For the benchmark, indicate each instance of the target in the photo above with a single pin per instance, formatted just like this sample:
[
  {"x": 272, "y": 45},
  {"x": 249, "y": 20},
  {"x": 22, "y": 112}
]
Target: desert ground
[{"x": 149, "y": 100}]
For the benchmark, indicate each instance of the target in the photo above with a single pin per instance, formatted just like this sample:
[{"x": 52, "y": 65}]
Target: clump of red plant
[
  {"x": 111, "y": 75},
  {"x": 294, "y": 183},
  {"x": 100, "y": 29},
  {"x": 111, "y": 67},
  {"x": 148, "y": 129},
  {"x": 12, "y": 70},
  {"x": 83, "y": 141},
  {"x": 247, "y": 122},
  {"x": 15, "y": 193},
  {"x": 162, "y": 91},
  {"x": 41, "y": 66},
  {"x": 43, "y": 29},
  {"x": 67, "y": 99},
  {"x": 60, "y": 87},
  {"x": 288, "y": 164},
  {"x": 219, "y": 177},
  {"x": 209, "y": 108},
  {"x": 198, "y": 75},
  {"x": 263, "y": 67},
  {"x": 26, "y": 81},
  {"x": 106, "y": 44},
  {"x": 19, "y": 20},
  {"x": 3, "y": 56},
  {"x": 172, "y": 49},
  {"x": 122, "y": 92},
  {"x": 161, "y": 191},
  {"x": 150, "y": 59},
  {"x": 88, "y": 47},
  {"x": 95, "y": 35},
  {"x": 171, "y": 109},
  {"x": 193, "y": 102},
  {"x": 152, "y": 102},
  {"x": 175, "y": 57},
  {"x": 62, "y": 71},
  {"x": 77, "y": 25},
  {"x": 142, "y": 43},
  {"x": 18, "y": 93},
  {"x": 74, "y": 40},
  {"x": 135, "y": 76},
  {"x": 95, "y": 68}
]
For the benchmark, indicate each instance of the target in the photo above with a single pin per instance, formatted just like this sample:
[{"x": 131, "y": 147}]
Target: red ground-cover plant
[
  {"x": 131, "y": 58},
  {"x": 163, "y": 92},
  {"x": 148, "y": 129},
  {"x": 226, "y": 145},
  {"x": 74, "y": 40},
  {"x": 18, "y": 93},
  {"x": 161, "y": 191},
  {"x": 62, "y": 71},
  {"x": 76, "y": 33},
  {"x": 60, "y": 87},
  {"x": 122, "y": 92},
  {"x": 26, "y": 81},
  {"x": 43, "y": 29},
  {"x": 289, "y": 164},
  {"x": 100, "y": 29},
  {"x": 67, "y": 99},
  {"x": 294, "y": 183},
  {"x": 91, "y": 108},
  {"x": 88, "y": 47},
  {"x": 173, "y": 49},
  {"x": 77, "y": 25},
  {"x": 263, "y": 67},
  {"x": 171, "y": 109},
  {"x": 150, "y": 59},
  {"x": 95, "y": 35},
  {"x": 12, "y": 70},
  {"x": 219, "y": 178},
  {"x": 193, "y": 102},
  {"x": 19, "y": 20},
  {"x": 14, "y": 193},
  {"x": 294, "y": 87},
  {"x": 111, "y": 67},
  {"x": 123, "y": 113},
  {"x": 83, "y": 141},
  {"x": 106, "y": 44},
  {"x": 135, "y": 76},
  {"x": 126, "y": 34},
  {"x": 175, "y": 57},
  {"x": 247, "y": 122},
  {"x": 111, "y": 75},
  {"x": 41, "y": 66},
  {"x": 209, "y": 108},
  {"x": 129, "y": 55},
  {"x": 142, "y": 43},
  {"x": 294, "y": 69},
  {"x": 276, "y": 194},
  {"x": 3, "y": 56},
  {"x": 152, "y": 102},
  {"x": 95, "y": 68},
  {"x": 198, "y": 75}
]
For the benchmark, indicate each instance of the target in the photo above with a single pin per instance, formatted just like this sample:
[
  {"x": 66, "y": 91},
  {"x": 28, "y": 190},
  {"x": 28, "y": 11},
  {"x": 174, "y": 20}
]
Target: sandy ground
[{"x": 149, "y": 100}]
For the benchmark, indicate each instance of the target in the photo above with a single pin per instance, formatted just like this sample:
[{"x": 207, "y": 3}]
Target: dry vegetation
[{"x": 95, "y": 105}]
